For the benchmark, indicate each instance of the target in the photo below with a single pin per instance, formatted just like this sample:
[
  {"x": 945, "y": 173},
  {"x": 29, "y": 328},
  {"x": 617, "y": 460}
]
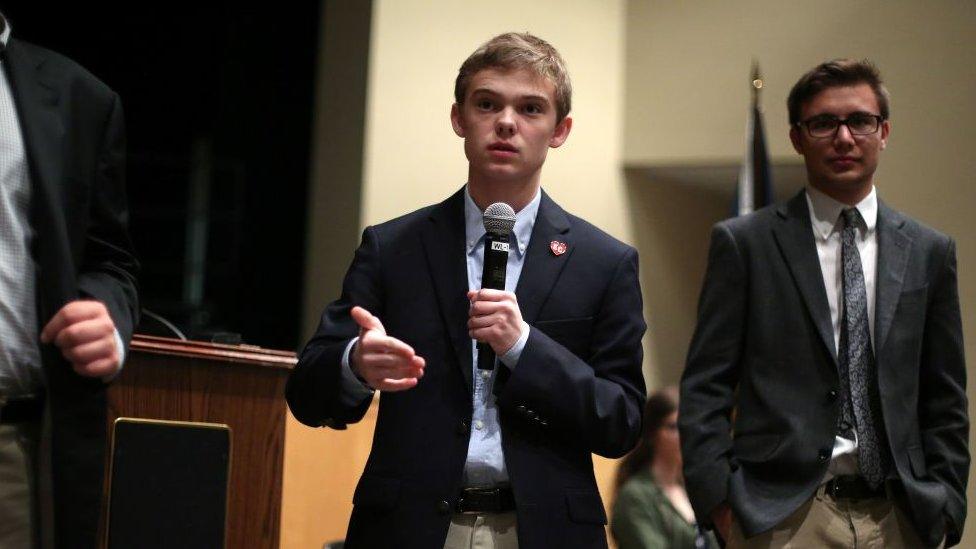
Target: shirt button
[
  {"x": 485, "y": 374},
  {"x": 443, "y": 507},
  {"x": 479, "y": 425},
  {"x": 823, "y": 455}
]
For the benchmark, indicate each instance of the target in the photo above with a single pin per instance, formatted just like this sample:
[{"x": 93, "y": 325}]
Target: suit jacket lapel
[
  {"x": 893, "y": 250},
  {"x": 796, "y": 242},
  {"x": 443, "y": 240},
  {"x": 37, "y": 105},
  {"x": 542, "y": 266}
]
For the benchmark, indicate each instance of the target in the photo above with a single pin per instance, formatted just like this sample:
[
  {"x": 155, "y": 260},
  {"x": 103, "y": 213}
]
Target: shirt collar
[
  {"x": 474, "y": 227},
  {"x": 825, "y": 211},
  {"x": 4, "y": 32}
]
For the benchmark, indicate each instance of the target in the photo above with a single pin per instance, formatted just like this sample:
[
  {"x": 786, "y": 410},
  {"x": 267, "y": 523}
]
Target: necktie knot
[{"x": 852, "y": 217}]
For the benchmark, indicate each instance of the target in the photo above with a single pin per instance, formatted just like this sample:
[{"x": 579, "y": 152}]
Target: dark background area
[{"x": 218, "y": 103}]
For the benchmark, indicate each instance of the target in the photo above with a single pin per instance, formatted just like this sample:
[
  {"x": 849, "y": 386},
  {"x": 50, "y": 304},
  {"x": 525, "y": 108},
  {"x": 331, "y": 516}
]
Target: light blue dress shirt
[{"x": 485, "y": 465}]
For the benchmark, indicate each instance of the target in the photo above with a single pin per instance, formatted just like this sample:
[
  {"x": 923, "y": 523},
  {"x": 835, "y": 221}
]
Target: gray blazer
[{"x": 764, "y": 345}]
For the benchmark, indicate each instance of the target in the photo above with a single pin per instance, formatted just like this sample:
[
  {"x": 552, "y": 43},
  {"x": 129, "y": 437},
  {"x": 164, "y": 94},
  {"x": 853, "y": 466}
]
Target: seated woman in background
[{"x": 652, "y": 508}]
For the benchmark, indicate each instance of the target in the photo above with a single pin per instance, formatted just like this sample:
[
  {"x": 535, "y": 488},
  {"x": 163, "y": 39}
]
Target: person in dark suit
[
  {"x": 68, "y": 300},
  {"x": 463, "y": 455},
  {"x": 830, "y": 326}
]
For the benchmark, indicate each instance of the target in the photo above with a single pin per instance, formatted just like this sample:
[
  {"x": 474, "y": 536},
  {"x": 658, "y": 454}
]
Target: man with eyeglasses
[{"x": 831, "y": 325}]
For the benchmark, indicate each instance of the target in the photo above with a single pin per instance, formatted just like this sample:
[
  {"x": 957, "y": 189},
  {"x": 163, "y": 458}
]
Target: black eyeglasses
[{"x": 827, "y": 125}]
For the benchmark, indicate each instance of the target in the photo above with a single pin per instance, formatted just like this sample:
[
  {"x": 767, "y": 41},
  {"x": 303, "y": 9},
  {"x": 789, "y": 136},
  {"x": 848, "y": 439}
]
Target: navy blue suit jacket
[{"x": 577, "y": 388}]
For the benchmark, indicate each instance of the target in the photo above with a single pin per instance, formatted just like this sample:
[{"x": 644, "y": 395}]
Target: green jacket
[{"x": 643, "y": 517}]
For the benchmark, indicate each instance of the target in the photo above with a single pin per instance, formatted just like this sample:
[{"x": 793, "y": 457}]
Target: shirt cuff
[
  {"x": 511, "y": 356},
  {"x": 120, "y": 347},
  {"x": 350, "y": 386}
]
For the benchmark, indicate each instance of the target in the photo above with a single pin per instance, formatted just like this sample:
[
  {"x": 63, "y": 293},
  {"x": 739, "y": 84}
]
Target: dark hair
[
  {"x": 834, "y": 73},
  {"x": 659, "y": 406},
  {"x": 514, "y": 50}
]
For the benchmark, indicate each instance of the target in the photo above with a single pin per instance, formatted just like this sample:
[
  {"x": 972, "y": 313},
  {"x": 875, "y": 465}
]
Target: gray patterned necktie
[{"x": 859, "y": 381}]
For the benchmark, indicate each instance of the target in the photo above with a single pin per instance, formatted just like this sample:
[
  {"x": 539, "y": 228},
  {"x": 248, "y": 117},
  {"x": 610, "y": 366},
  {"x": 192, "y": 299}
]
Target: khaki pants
[
  {"x": 488, "y": 531},
  {"x": 18, "y": 489},
  {"x": 836, "y": 523}
]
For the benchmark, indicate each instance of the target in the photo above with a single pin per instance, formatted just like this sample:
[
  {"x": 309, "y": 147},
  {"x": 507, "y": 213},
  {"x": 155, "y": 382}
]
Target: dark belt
[
  {"x": 486, "y": 500},
  {"x": 21, "y": 410},
  {"x": 853, "y": 487}
]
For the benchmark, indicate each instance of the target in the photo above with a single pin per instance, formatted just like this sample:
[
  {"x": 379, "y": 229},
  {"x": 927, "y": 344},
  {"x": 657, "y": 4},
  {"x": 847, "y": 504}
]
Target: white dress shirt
[
  {"x": 20, "y": 354},
  {"x": 825, "y": 217},
  {"x": 21, "y": 373}
]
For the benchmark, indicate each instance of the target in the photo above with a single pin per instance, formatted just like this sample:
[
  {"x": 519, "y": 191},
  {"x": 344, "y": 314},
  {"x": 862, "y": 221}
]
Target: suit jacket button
[
  {"x": 832, "y": 395},
  {"x": 521, "y": 409},
  {"x": 463, "y": 427},
  {"x": 443, "y": 507},
  {"x": 531, "y": 414},
  {"x": 824, "y": 455}
]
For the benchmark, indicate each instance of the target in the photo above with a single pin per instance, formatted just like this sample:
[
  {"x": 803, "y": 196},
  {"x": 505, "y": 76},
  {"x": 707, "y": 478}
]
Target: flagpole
[
  {"x": 757, "y": 83},
  {"x": 754, "y": 186},
  {"x": 760, "y": 163}
]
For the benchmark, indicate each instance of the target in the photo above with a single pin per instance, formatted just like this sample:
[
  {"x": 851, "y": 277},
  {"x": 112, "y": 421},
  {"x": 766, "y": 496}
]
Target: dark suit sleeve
[
  {"x": 711, "y": 374},
  {"x": 314, "y": 389},
  {"x": 943, "y": 418},
  {"x": 108, "y": 267},
  {"x": 597, "y": 402}
]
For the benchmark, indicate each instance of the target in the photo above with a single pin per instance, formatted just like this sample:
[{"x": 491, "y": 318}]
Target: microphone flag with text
[{"x": 499, "y": 219}]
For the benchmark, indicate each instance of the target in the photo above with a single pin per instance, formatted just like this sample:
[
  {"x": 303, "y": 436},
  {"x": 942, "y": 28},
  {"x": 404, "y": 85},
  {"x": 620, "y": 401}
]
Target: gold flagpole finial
[{"x": 757, "y": 82}]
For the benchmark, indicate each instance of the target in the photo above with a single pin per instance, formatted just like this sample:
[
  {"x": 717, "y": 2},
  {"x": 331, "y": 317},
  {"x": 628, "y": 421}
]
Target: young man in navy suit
[{"x": 461, "y": 455}]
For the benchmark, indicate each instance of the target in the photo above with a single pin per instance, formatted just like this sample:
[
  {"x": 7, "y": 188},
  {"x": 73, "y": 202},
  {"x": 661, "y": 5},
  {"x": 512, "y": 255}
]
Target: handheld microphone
[{"x": 499, "y": 219}]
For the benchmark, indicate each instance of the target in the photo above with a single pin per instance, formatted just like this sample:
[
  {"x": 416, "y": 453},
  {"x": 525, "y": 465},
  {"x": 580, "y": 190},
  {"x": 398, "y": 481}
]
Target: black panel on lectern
[{"x": 168, "y": 485}]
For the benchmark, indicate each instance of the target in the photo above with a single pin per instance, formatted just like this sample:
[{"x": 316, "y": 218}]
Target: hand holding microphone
[{"x": 495, "y": 320}]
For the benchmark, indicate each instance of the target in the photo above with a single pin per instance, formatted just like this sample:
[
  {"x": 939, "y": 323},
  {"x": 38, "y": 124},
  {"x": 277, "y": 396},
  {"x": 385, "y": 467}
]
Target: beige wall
[{"x": 686, "y": 94}]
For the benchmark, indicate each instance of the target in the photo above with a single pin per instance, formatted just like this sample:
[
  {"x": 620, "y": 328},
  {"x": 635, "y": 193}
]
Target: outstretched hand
[{"x": 384, "y": 362}]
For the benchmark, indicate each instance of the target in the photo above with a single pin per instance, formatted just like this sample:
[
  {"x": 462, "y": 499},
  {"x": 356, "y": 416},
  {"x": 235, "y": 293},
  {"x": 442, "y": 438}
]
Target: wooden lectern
[{"x": 239, "y": 385}]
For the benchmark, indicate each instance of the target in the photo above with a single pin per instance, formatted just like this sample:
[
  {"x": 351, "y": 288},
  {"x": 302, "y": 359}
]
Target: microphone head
[{"x": 499, "y": 218}]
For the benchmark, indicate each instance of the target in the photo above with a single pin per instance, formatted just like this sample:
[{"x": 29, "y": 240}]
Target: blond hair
[{"x": 514, "y": 50}]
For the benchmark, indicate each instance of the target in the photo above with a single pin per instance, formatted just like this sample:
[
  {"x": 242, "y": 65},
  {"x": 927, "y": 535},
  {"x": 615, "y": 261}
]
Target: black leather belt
[
  {"x": 486, "y": 500},
  {"x": 853, "y": 487},
  {"x": 21, "y": 410}
]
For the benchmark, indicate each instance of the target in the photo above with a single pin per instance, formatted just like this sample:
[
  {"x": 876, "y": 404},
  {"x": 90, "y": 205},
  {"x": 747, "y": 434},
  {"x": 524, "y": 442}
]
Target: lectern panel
[{"x": 168, "y": 484}]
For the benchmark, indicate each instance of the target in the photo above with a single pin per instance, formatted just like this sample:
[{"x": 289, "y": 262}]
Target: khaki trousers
[
  {"x": 836, "y": 523},
  {"x": 488, "y": 531},
  {"x": 18, "y": 485}
]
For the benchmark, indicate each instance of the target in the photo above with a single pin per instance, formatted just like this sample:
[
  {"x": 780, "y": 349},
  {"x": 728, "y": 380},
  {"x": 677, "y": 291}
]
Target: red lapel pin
[{"x": 557, "y": 247}]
